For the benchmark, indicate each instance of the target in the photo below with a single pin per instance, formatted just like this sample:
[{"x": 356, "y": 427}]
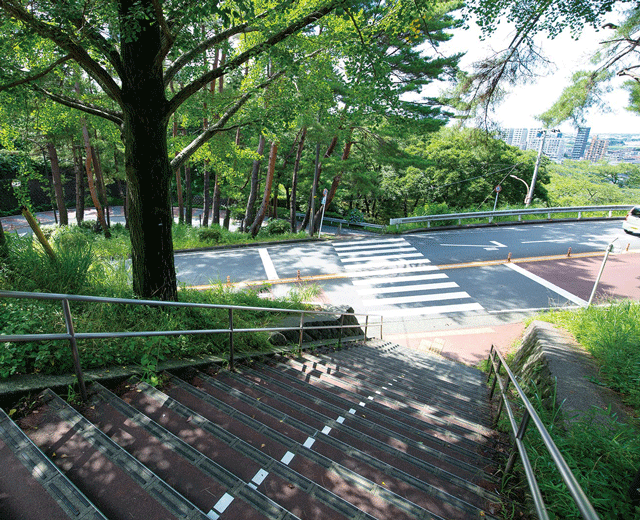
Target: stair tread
[
  {"x": 363, "y": 453},
  {"x": 31, "y": 487},
  {"x": 113, "y": 480}
]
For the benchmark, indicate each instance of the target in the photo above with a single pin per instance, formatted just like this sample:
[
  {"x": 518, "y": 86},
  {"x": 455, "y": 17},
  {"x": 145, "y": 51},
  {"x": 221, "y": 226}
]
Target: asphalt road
[{"x": 437, "y": 279}]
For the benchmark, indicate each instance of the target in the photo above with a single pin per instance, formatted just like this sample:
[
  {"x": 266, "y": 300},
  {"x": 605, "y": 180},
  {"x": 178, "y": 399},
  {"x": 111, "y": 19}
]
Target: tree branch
[
  {"x": 95, "y": 110},
  {"x": 64, "y": 41},
  {"x": 38, "y": 75},
  {"x": 168, "y": 37},
  {"x": 207, "y": 134},
  {"x": 254, "y": 51},
  {"x": 183, "y": 60}
]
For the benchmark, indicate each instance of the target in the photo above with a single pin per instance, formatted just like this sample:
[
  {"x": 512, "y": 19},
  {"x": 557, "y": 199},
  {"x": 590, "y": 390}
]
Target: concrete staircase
[{"x": 370, "y": 431}]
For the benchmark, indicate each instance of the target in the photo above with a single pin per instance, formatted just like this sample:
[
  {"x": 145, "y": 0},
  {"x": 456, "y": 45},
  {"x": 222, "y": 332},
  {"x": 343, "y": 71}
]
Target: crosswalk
[{"x": 395, "y": 280}]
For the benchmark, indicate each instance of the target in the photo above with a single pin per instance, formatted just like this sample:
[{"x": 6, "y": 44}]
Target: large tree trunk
[
  {"x": 146, "y": 158},
  {"x": 294, "y": 182},
  {"x": 253, "y": 190},
  {"x": 207, "y": 197},
  {"x": 188, "y": 207},
  {"x": 77, "y": 168},
  {"x": 255, "y": 227},
  {"x": 92, "y": 187},
  {"x": 334, "y": 185},
  {"x": 57, "y": 184}
]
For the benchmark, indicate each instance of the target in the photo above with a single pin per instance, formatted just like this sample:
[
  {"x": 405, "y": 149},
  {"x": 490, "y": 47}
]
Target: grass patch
[
  {"x": 611, "y": 333},
  {"x": 602, "y": 451},
  {"x": 86, "y": 264}
]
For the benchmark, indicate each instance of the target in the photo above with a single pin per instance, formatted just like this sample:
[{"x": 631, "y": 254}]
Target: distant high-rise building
[
  {"x": 581, "y": 143},
  {"x": 519, "y": 138},
  {"x": 515, "y": 137},
  {"x": 597, "y": 149},
  {"x": 553, "y": 143}
]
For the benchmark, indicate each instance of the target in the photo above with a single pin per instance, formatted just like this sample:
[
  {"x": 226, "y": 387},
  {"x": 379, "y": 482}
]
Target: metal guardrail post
[
  {"x": 380, "y": 327},
  {"x": 519, "y": 436},
  {"x": 366, "y": 327},
  {"x": 74, "y": 348},
  {"x": 497, "y": 375},
  {"x": 231, "y": 363},
  {"x": 501, "y": 403},
  {"x": 301, "y": 333},
  {"x": 341, "y": 325}
]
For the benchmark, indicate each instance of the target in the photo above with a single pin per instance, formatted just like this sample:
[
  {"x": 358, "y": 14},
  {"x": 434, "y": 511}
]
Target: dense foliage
[
  {"x": 86, "y": 264},
  {"x": 602, "y": 450}
]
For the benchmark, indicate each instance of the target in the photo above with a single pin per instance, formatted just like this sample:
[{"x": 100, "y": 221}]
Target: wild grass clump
[
  {"x": 611, "y": 333},
  {"x": 77, "y": 270},
  {"x": 603, "y": 454},
  {"x": 602, "y": 450}
]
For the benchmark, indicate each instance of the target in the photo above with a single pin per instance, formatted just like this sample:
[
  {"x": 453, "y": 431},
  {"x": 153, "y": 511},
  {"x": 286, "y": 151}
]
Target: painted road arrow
[{"x": 494, "y": 247}]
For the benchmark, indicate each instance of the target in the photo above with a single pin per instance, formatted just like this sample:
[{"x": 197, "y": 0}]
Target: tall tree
[
  {"x": 123, "y": 46},
  {"x": 618, "y": 56}
]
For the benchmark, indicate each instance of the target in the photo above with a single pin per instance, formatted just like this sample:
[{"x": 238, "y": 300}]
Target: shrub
[
  {"x": 31, "y": 269},
  {"x": 210, "y": 234},
  {"x": 354, "y": 215},
  {"x": 277, "y": 227}
]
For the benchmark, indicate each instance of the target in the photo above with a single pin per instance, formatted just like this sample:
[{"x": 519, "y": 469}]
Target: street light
[
  {"x": 524, "y": 182},
  {"x": 529, "y": 198}
]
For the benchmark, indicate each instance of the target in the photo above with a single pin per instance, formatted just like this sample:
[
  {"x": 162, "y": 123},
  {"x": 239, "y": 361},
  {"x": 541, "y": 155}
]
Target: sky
[{"x": 524, "y": 102}]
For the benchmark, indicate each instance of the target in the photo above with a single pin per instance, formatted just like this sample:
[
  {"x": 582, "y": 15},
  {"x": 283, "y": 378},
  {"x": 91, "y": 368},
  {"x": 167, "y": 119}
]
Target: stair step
[
  {"x": 31, "y": 486},
  {"x": 421, "y": 368},
  {"x": 395, "y": 390},
  {"x": 275, "y": 469},
  {"x": 380, "y": 461},
  {"x": 414, "y": 445},
  {"x": 448, "y": 443},
  {"x": 112, "y": 479},
  {"x": 445, "y": 426},
  {"x": 202, "y": 480}
]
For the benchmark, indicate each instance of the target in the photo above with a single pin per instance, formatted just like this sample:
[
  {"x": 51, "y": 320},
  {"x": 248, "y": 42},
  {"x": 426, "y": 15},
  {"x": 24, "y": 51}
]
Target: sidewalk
[{"x": 466, "y": 345}]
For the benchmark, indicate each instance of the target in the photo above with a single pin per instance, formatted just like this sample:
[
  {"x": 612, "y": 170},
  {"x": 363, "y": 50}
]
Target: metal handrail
[
  {"x": 530, "y": 415},
  {"x": 510, "y": 213},
  {"x": 73, "y": 336}
]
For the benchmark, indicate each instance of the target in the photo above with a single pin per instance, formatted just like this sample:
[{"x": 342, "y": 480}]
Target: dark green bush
[
  {"x": 210, "y": 234},
  {"x": 277, "y": 227}
]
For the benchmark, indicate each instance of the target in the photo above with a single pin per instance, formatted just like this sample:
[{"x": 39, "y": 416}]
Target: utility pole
[{"x": 529, "y": 198}]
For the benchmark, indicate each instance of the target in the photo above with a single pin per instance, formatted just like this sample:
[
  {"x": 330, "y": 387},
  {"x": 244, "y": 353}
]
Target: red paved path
[{"x": 620, "y": 279}]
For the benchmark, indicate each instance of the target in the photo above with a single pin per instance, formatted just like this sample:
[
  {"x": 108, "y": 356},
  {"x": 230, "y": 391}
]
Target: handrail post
[
  {"x": 491, "y": 361},
  {"x": 501, "y": 403},
  {"x": 497, "y": 374},
  {"x": 341, "y": 325},
  {"x": 231, "y": 363},
  {"x": 366, "y": 326},
  {"x": 381, "y": 317},
  {"x": 74, "y": 348},
  {"x": 301, "y": 333},
  {"x": 519, "y": 436}
]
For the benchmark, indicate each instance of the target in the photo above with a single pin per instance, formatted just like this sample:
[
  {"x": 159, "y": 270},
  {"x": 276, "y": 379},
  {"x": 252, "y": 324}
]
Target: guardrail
[
  {"x": 72, "y": 336},
  {"x": 518, "y": 432},
  {"x": 490, "y": 215},
  {"x": 340, "y": 222}
]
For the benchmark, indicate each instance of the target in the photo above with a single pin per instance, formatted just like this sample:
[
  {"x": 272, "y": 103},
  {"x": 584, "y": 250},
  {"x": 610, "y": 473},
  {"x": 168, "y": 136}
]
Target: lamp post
[
  {"x": 529, "y": 198},
  {"x": 525, "y": 183}
]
